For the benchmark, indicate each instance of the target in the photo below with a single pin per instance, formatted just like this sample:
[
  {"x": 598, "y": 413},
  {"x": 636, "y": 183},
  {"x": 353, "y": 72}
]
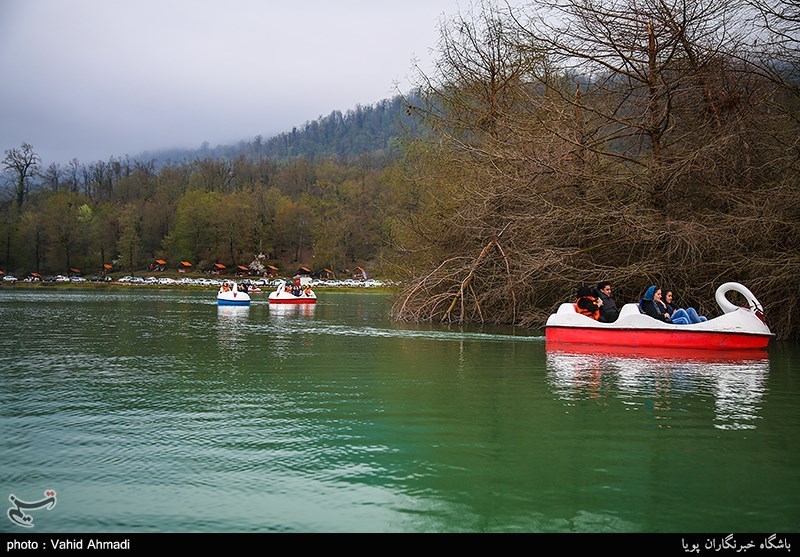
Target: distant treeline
[
  {"x": 316, "y": 212},
  {"x": 316, "y": 196}
]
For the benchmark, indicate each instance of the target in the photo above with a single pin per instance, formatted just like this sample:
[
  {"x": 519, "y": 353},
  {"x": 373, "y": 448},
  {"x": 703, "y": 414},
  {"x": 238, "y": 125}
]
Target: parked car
[{"x": 9, "y": 278}]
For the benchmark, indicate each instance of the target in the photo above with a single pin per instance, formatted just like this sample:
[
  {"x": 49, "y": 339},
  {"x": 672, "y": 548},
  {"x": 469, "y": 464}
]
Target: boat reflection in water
[
  {"x": 231, "y": 316},
  {"x": 659, "y": 378},
  {"x": 292, "y": 310},
  {"x": 232, "y": 323}
]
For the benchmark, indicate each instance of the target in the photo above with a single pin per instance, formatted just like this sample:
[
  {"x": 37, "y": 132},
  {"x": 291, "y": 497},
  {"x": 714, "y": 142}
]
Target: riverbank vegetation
[{"x": 637, "y": 141}]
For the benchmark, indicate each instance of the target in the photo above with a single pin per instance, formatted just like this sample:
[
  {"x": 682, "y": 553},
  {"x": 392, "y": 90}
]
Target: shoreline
[{"x": 192, "y": 287}]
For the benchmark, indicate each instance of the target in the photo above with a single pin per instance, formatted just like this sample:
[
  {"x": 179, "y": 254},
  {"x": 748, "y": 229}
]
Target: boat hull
[
  {"x": 223, "y": 302},
  {"x": 658, "y": 353},
  {"x": 292, "y": 300},
  {"x": 654, "y": 338}
]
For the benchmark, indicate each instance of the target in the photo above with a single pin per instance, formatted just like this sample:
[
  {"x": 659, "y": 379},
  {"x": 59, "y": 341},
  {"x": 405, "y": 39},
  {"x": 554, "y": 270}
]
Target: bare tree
[
  {"x": 73, "y": 172},
  {"x": 23, "y": 163},
  {"x": 52, "y": 176}
]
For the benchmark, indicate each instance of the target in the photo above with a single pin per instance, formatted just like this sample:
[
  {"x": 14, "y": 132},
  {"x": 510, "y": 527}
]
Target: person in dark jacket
[{"x": 608, "y": 312}]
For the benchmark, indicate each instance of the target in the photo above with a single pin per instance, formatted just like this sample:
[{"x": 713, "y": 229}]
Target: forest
[
  {"x": 324, "y": 207},
  {"x": 554, "y": 144}
]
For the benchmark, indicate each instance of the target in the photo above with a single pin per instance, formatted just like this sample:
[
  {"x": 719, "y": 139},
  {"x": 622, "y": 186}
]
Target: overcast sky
[{"x": 93, "y": 79}]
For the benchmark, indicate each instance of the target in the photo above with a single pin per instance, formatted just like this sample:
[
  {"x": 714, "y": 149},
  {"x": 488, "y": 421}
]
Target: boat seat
[{"x": 628, "y": 310}]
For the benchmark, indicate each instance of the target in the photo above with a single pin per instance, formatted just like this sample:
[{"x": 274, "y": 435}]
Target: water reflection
[
  {"x": 231, "y": 324},
  {"x": 735, "y": 380},
  {"x": 292, "y": 310}
]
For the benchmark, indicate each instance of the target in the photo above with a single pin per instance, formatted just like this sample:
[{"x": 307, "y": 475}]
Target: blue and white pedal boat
[{"x": 230, "y": 295}]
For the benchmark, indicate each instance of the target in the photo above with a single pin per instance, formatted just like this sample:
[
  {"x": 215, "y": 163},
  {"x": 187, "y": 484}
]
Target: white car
[{"x": 9, "y": 278}]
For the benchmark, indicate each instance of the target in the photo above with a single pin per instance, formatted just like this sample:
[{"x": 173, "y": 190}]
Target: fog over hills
[{"x": 363, "y": 129}]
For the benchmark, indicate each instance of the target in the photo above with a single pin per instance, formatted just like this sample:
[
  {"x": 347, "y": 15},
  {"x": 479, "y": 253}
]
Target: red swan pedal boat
[
  {"x": 738, "y": 328},
  {"x": 280, "y": 296}
]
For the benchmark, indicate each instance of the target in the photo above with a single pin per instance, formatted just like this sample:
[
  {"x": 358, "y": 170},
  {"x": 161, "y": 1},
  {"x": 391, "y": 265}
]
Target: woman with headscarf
[{"x": 652, "y": 305}]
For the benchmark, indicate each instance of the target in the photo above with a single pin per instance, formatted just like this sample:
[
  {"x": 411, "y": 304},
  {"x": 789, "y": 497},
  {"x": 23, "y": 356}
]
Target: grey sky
[{"x": 98, "y": 78}]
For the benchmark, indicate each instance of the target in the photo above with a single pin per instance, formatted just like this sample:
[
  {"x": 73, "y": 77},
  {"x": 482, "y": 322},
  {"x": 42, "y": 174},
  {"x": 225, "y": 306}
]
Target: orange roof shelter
[
  {"x": 219, "y": 265},
  {"x": 74, "y": 270},
  {"x": 242, "y": 267},
  {"x": 186, "y": 264},
  {"x": 107, "y": 267},
  {"x": 161, "y": 262}
]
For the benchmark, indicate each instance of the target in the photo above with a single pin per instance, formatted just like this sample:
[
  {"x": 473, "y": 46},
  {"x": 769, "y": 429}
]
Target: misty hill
[{"x": 364, "y": 129}]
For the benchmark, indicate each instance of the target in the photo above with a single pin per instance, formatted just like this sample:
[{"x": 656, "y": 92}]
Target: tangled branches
[{"x": 678, "y": 166}]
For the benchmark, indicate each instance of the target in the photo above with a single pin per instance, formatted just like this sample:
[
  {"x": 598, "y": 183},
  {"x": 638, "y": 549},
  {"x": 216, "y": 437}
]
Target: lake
[{"x": 153, "y": 410}]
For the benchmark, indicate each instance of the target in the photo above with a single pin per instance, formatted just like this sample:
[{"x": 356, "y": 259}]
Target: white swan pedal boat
[
  {"x": 280, "y": 296},
  {"x": 232, "y": 296},
  {"x": 738, "y": 328}
]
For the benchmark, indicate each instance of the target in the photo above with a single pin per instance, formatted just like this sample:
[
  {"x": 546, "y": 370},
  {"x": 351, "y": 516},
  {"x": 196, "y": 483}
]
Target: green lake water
[{"x": 150, "y": 411}]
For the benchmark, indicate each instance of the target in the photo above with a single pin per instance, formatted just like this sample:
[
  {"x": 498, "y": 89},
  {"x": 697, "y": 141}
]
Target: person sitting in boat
[
  {"x": 587, "y": 304},
  {"x": 225, "y": 287},
  {"x": 296, "y": 287},
  {"x": 307, "y": 291},
  {"x": 608, "y": 311},
  {"x": 652, "y": 305},
  {"x": 689, "y": 315}
]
